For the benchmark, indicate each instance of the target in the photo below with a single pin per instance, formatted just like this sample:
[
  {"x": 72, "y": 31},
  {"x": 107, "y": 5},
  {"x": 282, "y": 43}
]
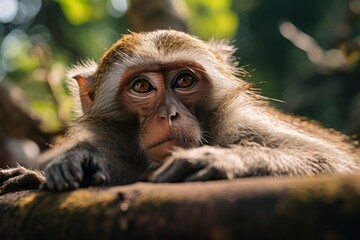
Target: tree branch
[{"x": 275, "y": 208}]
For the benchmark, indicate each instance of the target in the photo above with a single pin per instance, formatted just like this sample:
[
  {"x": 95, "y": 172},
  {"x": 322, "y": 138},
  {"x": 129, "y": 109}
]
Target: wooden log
[{"x": 326, "y": 207}]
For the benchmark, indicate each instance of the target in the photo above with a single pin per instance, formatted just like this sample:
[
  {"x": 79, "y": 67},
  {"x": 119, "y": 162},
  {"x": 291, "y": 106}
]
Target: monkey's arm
[
  {"x": 211, "y": 163},
  {"x": 260, "y": 144},
  {"x": 78, "y": 166}
]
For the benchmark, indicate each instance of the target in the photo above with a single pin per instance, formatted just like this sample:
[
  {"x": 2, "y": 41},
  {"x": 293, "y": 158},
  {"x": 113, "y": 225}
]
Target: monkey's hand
[
  {"x": 199, "y": 164},
  {"x": 18, "y": 179},
  {"x": 80, "y": 166}
]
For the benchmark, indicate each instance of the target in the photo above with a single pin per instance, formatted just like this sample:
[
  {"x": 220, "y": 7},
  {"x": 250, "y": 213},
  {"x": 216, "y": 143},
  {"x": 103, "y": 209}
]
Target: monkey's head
[{"x": 166, "y": 81}]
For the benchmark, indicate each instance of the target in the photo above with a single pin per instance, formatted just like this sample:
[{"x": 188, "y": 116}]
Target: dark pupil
[
  {"x": 184, "y": 81},
  {"x": 141, "y": 86}
]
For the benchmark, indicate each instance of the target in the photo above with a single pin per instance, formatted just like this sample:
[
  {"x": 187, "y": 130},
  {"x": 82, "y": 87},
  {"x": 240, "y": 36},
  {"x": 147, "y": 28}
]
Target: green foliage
[
  {"x": 213, "y": 18},
  {"x": 36, "y": 52},
  {"x": 82, "y": 11}
]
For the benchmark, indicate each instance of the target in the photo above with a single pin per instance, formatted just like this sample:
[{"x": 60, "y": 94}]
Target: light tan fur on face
[{"x": 165, "y": 46}]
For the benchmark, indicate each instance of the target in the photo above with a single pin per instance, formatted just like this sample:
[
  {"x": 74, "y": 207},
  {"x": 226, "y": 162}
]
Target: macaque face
[{"x": 166, "y": 99}]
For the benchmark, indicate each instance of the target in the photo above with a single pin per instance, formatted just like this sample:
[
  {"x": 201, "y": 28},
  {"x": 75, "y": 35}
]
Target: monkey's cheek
[{"x": 161, "y": 152}]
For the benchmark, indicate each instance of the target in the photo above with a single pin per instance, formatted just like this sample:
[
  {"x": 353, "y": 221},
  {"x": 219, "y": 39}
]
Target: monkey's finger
[
  {"x": 44, "y": 186},
  {"x": 206, "y": 174},
  {"x": 167, "y": 171},
  {"x": 49, "y": 182},
  {"x": 176, "y": 171},
  {"x": 69, "y": 178},
  {"x": 99, "y": 179},
  {"x": 59, "y": 182},
  {"x": 96, "y": 164},
  {"x": 76, "y": 170}
]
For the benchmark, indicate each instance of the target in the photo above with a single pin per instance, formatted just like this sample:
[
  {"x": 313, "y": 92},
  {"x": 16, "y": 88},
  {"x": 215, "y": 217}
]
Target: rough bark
[{"x": 271, "y": 208}]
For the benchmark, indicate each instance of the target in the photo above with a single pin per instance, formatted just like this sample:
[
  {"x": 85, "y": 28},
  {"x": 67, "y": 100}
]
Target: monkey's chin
[{"x": 160, "y": 152}]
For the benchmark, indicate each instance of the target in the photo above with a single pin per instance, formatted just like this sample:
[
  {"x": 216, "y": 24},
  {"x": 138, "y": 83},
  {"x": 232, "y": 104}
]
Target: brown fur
[{"x": 242, "y": 135}]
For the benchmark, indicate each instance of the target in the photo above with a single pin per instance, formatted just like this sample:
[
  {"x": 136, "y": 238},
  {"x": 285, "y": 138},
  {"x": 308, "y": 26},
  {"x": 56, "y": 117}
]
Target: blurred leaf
[
  {"x": 82, "y": 11},
  {"x": 213, "y": 18},
  {"x": 47, "y": 112}
]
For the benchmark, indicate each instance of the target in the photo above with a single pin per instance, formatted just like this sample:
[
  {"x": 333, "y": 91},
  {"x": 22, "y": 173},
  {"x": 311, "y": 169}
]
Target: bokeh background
[{"x": 304, "y": 53}]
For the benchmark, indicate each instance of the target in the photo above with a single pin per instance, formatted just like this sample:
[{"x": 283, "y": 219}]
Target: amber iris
[
  {"x": 184, "y": 80},
  {"x": 142, "y": 86}
]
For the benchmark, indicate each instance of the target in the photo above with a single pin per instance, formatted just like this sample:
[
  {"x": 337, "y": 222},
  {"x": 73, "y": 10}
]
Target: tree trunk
[
  {"x": 17, "y": 124},
  {"x": 271, "y": 208}
]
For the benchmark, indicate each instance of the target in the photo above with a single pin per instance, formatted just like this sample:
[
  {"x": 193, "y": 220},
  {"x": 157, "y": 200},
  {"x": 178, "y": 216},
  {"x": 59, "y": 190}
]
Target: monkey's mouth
[
  {"x": 175, "y": 141},
  {"x": 162, "y": 149},
  {"x": 180, "y": 141}
]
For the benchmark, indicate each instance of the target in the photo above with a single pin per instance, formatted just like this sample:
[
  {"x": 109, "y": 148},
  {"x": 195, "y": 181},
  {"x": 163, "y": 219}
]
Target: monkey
[{"x": 167, "y": 107}]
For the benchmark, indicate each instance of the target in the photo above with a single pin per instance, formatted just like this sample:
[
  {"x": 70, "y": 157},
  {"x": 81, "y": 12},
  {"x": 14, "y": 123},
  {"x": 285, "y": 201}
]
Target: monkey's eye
[
  {"x": 184, "y": 80},
  {"x": 142, "y": 85}
]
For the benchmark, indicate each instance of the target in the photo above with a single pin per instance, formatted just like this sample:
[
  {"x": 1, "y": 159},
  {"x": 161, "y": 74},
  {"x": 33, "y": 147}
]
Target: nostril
[{"x": 174, "y": 116}]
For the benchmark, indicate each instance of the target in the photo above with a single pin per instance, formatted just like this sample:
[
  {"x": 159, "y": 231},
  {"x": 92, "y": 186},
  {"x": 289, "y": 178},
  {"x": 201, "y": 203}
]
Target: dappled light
[
  {"x": 19, "y": 11},
  {"x": 9, "y": 10},
  {"x": 117, "y": 8}
]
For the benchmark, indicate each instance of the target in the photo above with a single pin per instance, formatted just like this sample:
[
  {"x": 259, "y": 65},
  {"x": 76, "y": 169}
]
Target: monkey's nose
[{"x": 170, "y": 114}]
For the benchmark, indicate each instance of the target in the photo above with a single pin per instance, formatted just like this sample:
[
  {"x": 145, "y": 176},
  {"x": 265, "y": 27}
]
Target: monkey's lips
[
  {"x": 161, "y": 149},
  {"x": 171, "y": 140}
]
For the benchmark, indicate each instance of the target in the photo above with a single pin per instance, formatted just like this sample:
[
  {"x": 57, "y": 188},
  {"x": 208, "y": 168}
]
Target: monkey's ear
[
  {"x": 86, "y": 90},
  {"x": 224, "y": 49},
  {"x": 82, "y": 85}
]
